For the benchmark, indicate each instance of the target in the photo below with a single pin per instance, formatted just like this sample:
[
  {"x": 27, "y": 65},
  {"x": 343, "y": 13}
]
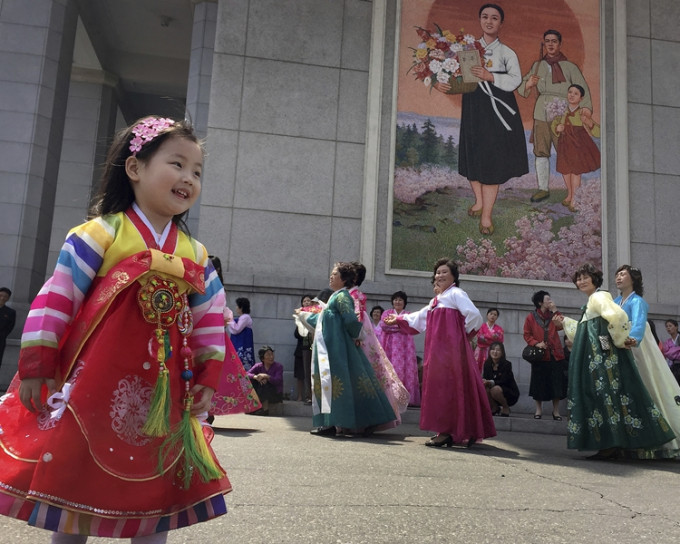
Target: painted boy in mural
[{"x": 551, "y": 77}]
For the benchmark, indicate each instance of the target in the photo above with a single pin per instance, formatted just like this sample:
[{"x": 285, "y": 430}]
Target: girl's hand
[
  {"x": 205, "y": 395},
  {"x": 29, "y": 392},
  {"x": 559, "y": 128}
]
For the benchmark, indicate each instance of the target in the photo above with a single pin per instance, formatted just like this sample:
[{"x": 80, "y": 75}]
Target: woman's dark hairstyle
[
  {"x": 324, "y": 294},
  {"x": 218, "y": 267},
  {"x": 652, "y": 327},
  {"x": 347, "y": 273},
  {"x": 360, "y": 273},
  {"x": 588, "y": 269},
  {"x": 635, "y": 275},
  {"x": 673, "y": 321},
  {"x": 376, "y": 308},
  {"x": 494, "y": 344},
  {"x": 579, "y": 88},
  {"x": 453, "y": 267},
  {"x": 555, "y": 32},
  {"x": 244, "y": 304},
  {"x": 498, "y": 313},
  {"x": 303, "y": 297},
  {"x": 263, "y": 350},
  {"x": 115, "y": 192},
  {"x": 537, "y": 298},
  {"x": 494, "y": 6},
  {"x": 401, "y": 295}
]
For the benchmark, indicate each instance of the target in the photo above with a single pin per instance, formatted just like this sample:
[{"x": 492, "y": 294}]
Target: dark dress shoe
[
  {"x": 323, "y": 431},
  {"x": 434, "y": 443}
]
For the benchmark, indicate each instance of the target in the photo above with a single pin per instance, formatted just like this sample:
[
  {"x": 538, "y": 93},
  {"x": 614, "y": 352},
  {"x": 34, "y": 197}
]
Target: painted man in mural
[{"x": 551, "y": 76}]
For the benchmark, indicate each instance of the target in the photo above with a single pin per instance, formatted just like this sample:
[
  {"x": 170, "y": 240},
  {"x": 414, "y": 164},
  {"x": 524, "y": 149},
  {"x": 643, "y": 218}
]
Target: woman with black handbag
[{"x": 547, "y": 376}]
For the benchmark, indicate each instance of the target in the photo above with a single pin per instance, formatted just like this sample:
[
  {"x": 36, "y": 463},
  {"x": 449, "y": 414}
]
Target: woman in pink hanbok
[
  {"x": 454, "y": 402},
  {"x": 396, "y": 393},
  {"x": 487, "y": 335},
  {"x": 401, "y": 349}
]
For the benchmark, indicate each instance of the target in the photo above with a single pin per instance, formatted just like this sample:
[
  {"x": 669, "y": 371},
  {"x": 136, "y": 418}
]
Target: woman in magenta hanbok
[
  {"x": 453, "y": 402},
  {"x": 487, "y": 335},
  {"x": 401, "y": 349}
]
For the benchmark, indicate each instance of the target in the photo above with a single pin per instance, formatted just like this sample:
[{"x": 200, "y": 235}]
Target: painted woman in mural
[{"x": 492, "y": 145}]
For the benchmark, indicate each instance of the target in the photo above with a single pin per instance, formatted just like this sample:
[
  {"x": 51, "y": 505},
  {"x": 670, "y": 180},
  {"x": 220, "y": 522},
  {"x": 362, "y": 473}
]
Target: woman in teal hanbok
[
  {"x": 347, "y": 396},
  {"x": 610, "y": 408}
]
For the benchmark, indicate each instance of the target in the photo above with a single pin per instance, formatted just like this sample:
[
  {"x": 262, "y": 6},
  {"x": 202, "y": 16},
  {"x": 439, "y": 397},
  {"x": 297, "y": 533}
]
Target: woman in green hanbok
[
  {"x": 610, "y": 408},
  {"x": 347, "y": 396}
]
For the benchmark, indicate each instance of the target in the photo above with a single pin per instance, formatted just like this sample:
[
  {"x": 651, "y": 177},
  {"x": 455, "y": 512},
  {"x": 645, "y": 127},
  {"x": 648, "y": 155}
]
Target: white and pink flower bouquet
[
  {"x": 435, "y": 59},
  {"x": 555, "y": 108}
]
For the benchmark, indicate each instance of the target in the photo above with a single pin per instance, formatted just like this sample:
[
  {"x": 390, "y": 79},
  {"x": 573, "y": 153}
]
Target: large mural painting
[{"x": 497, "y": 147}]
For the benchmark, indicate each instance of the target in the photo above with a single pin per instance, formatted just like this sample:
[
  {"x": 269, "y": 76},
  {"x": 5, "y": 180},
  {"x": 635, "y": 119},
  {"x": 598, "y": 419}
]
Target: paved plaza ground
[{"x": 294, "y": 488}]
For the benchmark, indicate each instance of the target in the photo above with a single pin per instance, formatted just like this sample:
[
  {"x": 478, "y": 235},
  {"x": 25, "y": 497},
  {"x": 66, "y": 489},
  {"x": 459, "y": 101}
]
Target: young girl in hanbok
[
  {"x": 576, "y": 151},
  {"x": 121, "y": 351}
]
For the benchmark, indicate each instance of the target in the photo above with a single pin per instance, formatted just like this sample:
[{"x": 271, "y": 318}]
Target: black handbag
[{"x": 532, "y": 354}]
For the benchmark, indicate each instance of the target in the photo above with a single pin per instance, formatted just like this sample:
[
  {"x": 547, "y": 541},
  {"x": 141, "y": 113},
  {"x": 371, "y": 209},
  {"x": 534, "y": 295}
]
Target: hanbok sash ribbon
[
  {"x": 58, "y": 401},
  {"x": 486, "y": 88},
  {"x": 326, "y": 388}
]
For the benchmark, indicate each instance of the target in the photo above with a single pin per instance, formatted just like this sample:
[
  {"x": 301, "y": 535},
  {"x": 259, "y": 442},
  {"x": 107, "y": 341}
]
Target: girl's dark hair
[
  {"x": 401, "y": 295},
  {"x": 347, "y": 273},
  {"x": 498, "y": 313},
  {"x": 303, "y": 297},
  {"x": 675, "y": 323},
  {"x": 588, "y": 269},
  {"x": 360, "y": 272},
  {"x": 218, "y": 267},
  {"x": 494, "y": 6},
  {"x": 453, "y": 267},
  {"x": 537, "y": 298},
  {"x": 635, "y": 275},
  {"x": 501, "y": 345},
  {"x": 580, "y": 89},
  {"x": 244, "y": 304},
  {"x": 376, "y": 308},
  {"x": 115, "y": 191}
]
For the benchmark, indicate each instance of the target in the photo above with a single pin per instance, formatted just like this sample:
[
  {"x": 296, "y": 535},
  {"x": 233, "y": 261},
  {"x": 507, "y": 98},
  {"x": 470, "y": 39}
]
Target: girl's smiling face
[
  {"x": 574, "y": 96},
  {"x": 169, "y": 182}
]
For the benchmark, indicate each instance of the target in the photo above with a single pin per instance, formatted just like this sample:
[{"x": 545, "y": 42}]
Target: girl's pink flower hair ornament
[{"x": 147, "y": 130}]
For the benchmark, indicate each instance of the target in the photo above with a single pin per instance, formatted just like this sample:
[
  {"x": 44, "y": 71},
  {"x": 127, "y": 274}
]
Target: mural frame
[{"x": 612, "y": 21}]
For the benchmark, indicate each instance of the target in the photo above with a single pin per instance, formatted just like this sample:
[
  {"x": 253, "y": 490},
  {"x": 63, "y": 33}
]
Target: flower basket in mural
[{"x": 439, "y": 58}]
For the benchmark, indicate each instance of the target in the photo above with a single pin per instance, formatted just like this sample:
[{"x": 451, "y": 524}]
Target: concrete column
[
  {"x": 88, "y": 130},
  {"x": 36, "y": 49},
  {"x": 200, "y": 75}
]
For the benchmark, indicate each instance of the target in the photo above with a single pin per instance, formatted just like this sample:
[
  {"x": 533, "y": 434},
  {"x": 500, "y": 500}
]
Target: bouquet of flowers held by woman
[{"x": 436, "y": 60}]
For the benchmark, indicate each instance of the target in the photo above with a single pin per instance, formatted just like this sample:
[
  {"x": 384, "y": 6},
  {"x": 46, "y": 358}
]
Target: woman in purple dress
[{"x": 454, "y": 401}]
